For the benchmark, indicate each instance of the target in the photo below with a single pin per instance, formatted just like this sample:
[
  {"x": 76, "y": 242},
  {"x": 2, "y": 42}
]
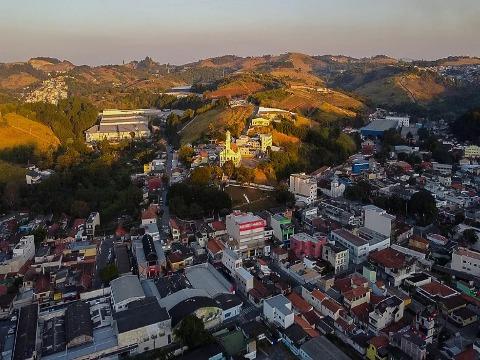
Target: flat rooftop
[
  {"x": 381, "y": 125},
  {"x": 206, "y": 277},
  {"x": 350, "y": 237}
]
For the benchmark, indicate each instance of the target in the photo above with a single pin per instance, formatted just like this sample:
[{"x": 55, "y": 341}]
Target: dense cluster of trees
[
  {"x": 320, "y": 146},
  {"x": 467, "y": 126},
  {"x": 84, "y": 184},
  {"x": 191, "y": 201},
  {"x": 191, "y": 332},
  {"x": 67, "y": 120}
]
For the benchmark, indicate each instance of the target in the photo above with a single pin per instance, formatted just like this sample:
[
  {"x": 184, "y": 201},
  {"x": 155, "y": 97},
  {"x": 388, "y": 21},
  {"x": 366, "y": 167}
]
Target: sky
[{"x": 179, "y": 31}]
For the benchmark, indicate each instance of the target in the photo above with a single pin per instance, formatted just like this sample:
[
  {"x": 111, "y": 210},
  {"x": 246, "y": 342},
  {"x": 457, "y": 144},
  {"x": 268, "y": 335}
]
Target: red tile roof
[
  {"x": 319, "y": 295},
  {"x": 218, "y": 225},
  {"x": 389, "y": 258},
  {"x": 299, "y": 303},
  {"x": 306, "y": 326},
  {"x": 379, "y": 341},
  {"x": 356, "y": 293},
  {"x": 332, "y": 305},
  {"x": 215, "y": 246},
  {"x": 438, "y": 289}
]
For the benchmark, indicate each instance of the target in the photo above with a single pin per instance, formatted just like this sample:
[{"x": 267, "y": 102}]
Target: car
[
  {"x": 11, "y": 331},
  {"x": 13, "y": 318}
]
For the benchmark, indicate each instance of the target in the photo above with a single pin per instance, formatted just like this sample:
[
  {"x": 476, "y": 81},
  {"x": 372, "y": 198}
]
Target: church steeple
[{"x": 228, "y": 140}]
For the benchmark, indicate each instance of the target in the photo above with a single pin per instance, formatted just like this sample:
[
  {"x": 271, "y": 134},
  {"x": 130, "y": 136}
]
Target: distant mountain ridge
[{"x": 380, "y": 79}]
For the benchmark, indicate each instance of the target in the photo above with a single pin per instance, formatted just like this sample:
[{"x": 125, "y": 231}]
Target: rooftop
[
  {"x": 140, "y": 313},
  {"x": 438, "y": 289},
  {"x": 205, "y": 276},
  {"x": 126, "y": 287},
  {"x": 388, "y": 258},
  {"x": 320, "y": 348},
  {"x": 350, "y": 237},
  {"x": 281, "y": 303}
]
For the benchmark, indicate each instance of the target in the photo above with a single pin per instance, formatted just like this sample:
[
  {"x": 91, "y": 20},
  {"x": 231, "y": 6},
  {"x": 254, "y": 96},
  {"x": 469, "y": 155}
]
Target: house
[
  {"x": 278, "y": 310},
  {"x": 300, "y": 305},
  {"x": 356, "y": 297},
  {"x": 35, "y": 176},
  {"x": 231, "y": 260},
  {"x": 377, "y": 348},
  {"x": 230, "y": 304},
  {"x": 303, "y": 245},
  {"x": 392, "y": 266},
  {"x": 282, "y": 228},
  {"x": 91, "y": 224},
  {"x": 386, "y": 312},
  {"x": 244, "y": 280},
  {"x": 463, "y": 316},
  {"x": 279, "y": 254},
  {"x": 149, "y": 216},
  {"x": 174, "y": 230},
  {"x": 322, "y": 303},
  {"x": 215, "y": 250},
  {"x": 336, "y": 255},
  {"x": 22, "y": 252}
]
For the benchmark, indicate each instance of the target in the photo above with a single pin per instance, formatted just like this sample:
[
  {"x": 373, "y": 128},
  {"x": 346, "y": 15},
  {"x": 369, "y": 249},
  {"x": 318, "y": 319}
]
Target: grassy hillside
[
  {"x": 213, "y": 123},
  {"x": 330, "y": 105},
  {"x": 17, "y": 130},
  {"x": 398, "y": 89}
]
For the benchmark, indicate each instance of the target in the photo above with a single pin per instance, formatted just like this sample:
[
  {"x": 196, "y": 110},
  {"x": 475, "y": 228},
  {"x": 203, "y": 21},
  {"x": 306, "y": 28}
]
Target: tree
[
  {"x": 228, "y": 168},
  {"x": 244, "y": 174},
  {"x": 108, "y": 273},
  {"x": 191, "y": 332},
  {"x": 11, "y": 194},
  {"x": 423, "y": 206},
  {"x": 79, "y": 209},
  {"x": 470, "y": 236},
  {"x": 201, "y": 175},
  {"x": 185, "y": 154},
  {"x": 39, "y": 235},
  {"x": 284, "y": 196}
]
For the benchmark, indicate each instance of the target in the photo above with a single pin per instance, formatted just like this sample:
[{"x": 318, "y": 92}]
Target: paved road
[
  {"x": 103, "y": 258},
  {"x": 166, "y": 210}
]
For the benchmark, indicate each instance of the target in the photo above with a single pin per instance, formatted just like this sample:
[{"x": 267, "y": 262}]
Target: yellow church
[{"x": 228, "y": 153}]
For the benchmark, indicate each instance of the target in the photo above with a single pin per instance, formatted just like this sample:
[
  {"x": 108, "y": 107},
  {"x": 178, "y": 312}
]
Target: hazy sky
[{"x": 179, "y": 31}]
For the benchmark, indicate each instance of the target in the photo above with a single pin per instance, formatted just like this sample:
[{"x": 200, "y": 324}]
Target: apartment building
[
  {"x": 337, "y": 256},
  {"x": 377, "y": 219},
  {"x": 282, "y": 228},
  {"x": 466, "y": 260},
  {"x": 386, "y": 312},
  {"x": 304, "y": 187},
  {"x": 358, "y": 248},
  {"x": 247, "y": 232}
]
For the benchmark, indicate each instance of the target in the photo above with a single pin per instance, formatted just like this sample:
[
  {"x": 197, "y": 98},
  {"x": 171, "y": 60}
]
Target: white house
[
  {"x": 231, "y": 260},
  {"x": 278, "y": 310}
]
